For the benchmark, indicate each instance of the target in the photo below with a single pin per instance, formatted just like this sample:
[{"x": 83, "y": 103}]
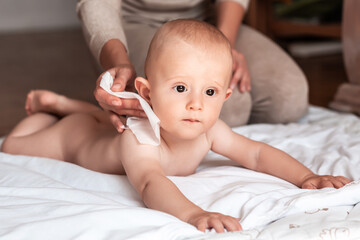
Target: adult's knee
[
  {"x": 286, "y": 102},
  {"x": 279, "y": 88}
]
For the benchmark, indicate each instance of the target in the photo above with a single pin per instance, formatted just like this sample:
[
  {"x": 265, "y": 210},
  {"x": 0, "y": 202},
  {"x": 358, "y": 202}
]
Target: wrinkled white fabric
[
  {"x": 146, "y": 130},
  {"x": 50, "y": 199}
]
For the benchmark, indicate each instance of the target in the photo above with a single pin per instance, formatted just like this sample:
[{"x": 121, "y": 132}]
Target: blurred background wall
[
  {"x": 42, "y": 47},
  {"x": 37, "y": 15}
]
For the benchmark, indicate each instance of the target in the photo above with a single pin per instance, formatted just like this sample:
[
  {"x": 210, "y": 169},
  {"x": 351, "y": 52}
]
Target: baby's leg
[
  {"x": 50, "y": 102},
  {"x": 43, "y": 102},
  {"x": 28, "y": 138},
  {"x": 35, "y": 131},
  {"x": 32, "y": 124}
]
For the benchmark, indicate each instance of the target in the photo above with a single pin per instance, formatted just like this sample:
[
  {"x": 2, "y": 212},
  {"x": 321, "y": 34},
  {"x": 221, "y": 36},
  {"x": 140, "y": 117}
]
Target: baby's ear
[
  {"x": 142, "y": 85},
  {"x": 228, "y": 93}
]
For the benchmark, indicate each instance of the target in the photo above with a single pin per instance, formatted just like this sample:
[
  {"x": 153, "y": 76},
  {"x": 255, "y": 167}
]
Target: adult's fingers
[
  {"x": 104, "y": 97},
  {"x": 117, "y": 105},
  {"x": 121, "y": 111},
  {"x": 236, "y": 78},
  {"x": 132, "y": 103},
  {"x": 244, "y": 85},
  {"x": 123, "y": 76},
  {"x": 134, "y": 113},
  {"x": 116, "y": 122},
  {"x": 130, "y": 107},
  {"x": 241, "y": 76}
]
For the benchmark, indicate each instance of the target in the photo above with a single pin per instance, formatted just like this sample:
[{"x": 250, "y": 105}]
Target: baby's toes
[{"x": 29, "y": 99}]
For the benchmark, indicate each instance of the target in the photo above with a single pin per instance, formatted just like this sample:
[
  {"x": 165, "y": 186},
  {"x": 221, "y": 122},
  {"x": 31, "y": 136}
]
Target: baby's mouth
[{"x": 191, "y": 120}]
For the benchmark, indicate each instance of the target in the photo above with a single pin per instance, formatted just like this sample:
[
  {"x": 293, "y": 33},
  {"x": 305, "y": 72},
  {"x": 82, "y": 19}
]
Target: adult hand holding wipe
[{"x": 146, "y": 130}]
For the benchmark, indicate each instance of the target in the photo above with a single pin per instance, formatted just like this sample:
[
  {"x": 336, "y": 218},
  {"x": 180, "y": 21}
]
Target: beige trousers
[{"x": 279, "y": 88}]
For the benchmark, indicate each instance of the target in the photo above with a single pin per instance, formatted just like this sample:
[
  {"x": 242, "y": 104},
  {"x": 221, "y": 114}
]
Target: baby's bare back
[
  {"x": 92, "y": 143},
  {"x": 89, "y": 142}
]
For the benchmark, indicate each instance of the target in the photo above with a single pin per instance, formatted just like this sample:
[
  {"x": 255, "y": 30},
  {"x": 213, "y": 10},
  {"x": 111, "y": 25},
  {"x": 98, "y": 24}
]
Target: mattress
[{"x": 42, "y": 198}]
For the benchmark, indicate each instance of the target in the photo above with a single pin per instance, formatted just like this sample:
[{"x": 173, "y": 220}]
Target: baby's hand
[
  {"x": 317, "y": 182},
  {"x": 207, "y": 220}
]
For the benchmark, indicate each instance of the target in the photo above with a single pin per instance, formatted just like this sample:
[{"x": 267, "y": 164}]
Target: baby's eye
[
  {"x": 210, "y": 92},
  {"x": 180, "y": 88}
]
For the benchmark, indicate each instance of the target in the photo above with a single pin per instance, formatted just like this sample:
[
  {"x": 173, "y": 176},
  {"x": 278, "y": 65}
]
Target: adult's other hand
[{"x": 241, "y": 75}]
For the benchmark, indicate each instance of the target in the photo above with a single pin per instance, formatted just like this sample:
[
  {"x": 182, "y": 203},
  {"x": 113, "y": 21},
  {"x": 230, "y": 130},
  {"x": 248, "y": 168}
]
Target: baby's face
[{"x": 188, "y": 88}]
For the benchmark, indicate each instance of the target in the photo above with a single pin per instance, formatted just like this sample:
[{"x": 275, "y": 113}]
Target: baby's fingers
[
  {"x": 336, "y": 182},
  {"x": 340, "y": 181},
  {"x": 209, "y": 224},
  {"x": 326, "y": 184},
  {"x": 202, "y": 226},
  {"x": 220, "y": 224},
  {"x": 216, "y": 224},
  {"x": 232, "y": 224},
  {"x": 308, "y": 186},
  {"x": 344, "y": 180}
]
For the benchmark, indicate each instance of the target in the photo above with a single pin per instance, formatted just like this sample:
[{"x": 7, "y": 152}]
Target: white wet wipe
[{"x": 146, "y": 130}]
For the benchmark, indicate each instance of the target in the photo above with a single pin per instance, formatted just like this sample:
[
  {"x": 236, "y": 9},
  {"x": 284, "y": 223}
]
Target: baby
[{"x": 188, "y": 69}]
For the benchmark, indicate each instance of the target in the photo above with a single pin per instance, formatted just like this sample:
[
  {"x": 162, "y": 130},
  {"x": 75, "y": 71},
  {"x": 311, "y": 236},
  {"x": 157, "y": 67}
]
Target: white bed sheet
[{"x": 42, "y": 198}]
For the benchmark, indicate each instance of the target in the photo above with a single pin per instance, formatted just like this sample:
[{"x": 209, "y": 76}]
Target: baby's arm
[
  {"x": 264, "y": 158},
  {"x": 145, "y": 173}
]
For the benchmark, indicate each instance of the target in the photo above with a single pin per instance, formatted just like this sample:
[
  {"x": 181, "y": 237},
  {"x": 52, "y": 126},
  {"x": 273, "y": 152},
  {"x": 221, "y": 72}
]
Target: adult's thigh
[{"x": 279, "y": 89}]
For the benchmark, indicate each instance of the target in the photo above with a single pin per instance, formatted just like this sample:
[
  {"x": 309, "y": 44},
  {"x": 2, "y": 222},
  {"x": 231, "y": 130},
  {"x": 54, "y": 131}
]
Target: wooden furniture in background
[
  {"x": 347, "y": 98},
  {"x": 261, "y": 17}
]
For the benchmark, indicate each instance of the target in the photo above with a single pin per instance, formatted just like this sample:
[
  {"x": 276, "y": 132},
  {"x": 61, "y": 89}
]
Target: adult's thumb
[{"x": 118, "y": 84}]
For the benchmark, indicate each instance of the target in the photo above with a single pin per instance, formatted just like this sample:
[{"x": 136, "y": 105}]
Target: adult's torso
[{"x": 157, "y": 12}]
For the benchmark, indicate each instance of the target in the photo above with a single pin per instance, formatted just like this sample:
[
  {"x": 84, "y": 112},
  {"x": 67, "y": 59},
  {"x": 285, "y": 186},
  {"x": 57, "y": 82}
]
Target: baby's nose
[{"x": 195, "y": 102}]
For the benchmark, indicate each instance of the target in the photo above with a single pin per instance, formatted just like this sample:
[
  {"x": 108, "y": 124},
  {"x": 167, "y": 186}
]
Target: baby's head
[{"x": 188, "y": 70}]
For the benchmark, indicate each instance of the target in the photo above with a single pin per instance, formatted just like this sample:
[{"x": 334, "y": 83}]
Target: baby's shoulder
[
  {"x": 130, "y": 145},
  {"x": 218, "y": 129}
]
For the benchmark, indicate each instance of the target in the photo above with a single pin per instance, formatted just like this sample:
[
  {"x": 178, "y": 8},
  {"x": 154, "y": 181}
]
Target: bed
[{"x": 42, "y": 198}]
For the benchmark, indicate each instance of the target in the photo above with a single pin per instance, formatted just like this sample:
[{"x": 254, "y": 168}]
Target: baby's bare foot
[{"x": 41, "y": 101}]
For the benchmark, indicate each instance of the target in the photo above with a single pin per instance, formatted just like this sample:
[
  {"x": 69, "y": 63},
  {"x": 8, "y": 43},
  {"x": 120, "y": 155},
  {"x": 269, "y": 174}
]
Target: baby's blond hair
[{"x": 194, "y": 32}]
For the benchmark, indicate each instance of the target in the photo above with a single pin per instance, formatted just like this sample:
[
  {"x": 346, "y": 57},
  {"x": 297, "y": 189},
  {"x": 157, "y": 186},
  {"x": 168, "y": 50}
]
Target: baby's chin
[{"x": 185, "y": 133}]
